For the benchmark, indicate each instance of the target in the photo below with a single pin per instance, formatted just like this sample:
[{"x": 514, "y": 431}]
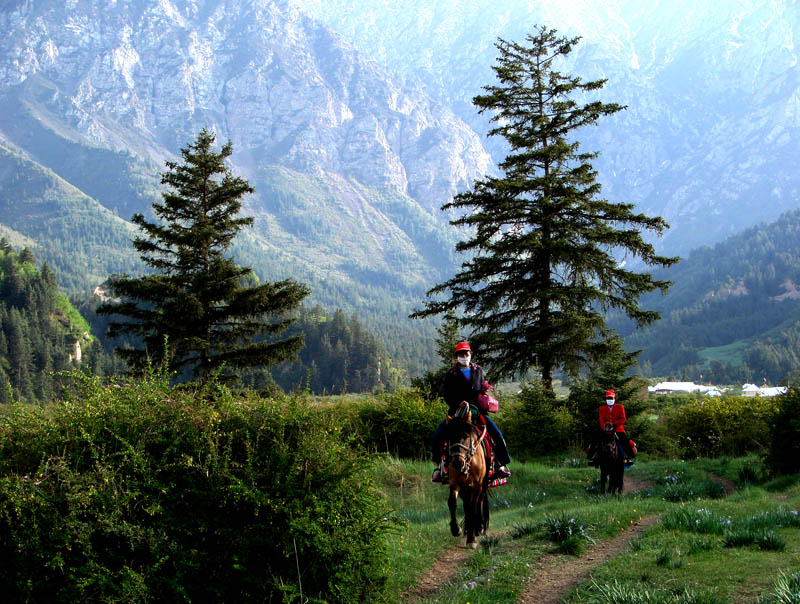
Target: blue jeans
[{"x": 500, "y": 449}]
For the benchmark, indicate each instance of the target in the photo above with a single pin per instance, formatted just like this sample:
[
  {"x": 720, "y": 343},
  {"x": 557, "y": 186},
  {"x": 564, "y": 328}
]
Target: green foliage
[
  {"x": 619, "y": 593},
  {"x": 143, "y": 492},
  {"x": 39, "y": 329},
  {"x": 690, "y": 491},
  {"x": 199, "y": 299},
  {"x": 543, "y": 245},
  {"x": 535, "y": 423},
  {"x": 562, "y": 527},
  {"x": 401, "y": 423},
  {"x": 730, "y": 315},
  {"x": 339, "y": 355},
  {"x": 783, "y": 455},
  {"x": 785, "y": 590},
  {"x": 714, "y": 426},
  {"x": 765, "y": 540},
  {"x": 701, "y": 521}
]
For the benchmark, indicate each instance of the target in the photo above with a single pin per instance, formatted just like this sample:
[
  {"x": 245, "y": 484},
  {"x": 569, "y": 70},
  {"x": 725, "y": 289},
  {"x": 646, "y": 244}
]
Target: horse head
[
  {"x": 609, "y": 447},
  {"x": 463, "y": 438}
]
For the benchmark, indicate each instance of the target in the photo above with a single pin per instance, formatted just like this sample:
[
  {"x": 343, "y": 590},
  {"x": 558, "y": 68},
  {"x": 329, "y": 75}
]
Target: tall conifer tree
[
  {"x": 543, "y": 245},
  {"x": 197, "y": 297}
]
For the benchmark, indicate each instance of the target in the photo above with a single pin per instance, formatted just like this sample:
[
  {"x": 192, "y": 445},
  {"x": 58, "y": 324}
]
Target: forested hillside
[
  {"x": 339, "y": 354},
  {"x": 40, "y": 331},
  {"x": 733, "y": 313}
]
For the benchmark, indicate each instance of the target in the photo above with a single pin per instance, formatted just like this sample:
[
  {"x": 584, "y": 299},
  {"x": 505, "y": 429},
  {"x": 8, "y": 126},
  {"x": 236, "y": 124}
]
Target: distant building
[
  {"x": 673, "y": 387},
  {"x": 751, "y": 390}
]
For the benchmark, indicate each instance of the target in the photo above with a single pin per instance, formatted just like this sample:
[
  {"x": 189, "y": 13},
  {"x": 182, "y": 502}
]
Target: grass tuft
[
  {"x": 574, "y": 545},
  {"x": 621, "y": 593},
  {"x": 526, "y": 529},
  {"x": 696, "y": 521},
  {"x": 785, "y": 590},
  {"x": 560, "y": 526}
]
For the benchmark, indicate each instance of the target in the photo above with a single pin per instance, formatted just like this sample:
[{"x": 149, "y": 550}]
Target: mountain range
[
  {"x": 353, "y": 122},
  {"x": 710, "y": 133}
]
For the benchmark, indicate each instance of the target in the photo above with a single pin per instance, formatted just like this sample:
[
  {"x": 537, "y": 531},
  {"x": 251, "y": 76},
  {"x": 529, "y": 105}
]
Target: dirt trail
[
  {"x": 730, "y": 487},
  {"x": 555, "y": 576},
  {"x": 445, "y": 569}
]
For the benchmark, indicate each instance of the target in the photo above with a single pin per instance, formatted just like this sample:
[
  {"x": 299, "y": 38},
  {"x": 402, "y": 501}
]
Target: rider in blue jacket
[{"x": 464, "y": 382}]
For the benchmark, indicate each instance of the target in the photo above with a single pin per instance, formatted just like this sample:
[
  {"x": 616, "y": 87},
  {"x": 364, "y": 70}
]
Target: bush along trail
[{"x": 679, "y": 533}]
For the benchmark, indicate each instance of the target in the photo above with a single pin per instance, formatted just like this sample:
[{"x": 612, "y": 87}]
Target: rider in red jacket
[{"x": 614, "y": 413}]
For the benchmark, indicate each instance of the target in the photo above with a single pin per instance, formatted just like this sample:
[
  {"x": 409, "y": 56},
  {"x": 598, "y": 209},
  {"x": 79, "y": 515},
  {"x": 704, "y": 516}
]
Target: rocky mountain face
[
  {"x": 711, "y": 128},
  {"x": 283, "y": 88},
  {"x": 353, "y": 121},
  {"x": 350, "y": 165}
]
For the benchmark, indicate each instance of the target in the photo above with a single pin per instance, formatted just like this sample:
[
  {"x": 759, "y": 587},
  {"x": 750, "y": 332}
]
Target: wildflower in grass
[
  {"x": 771, "y": 541},
  {"x": 697, "y": 521}
]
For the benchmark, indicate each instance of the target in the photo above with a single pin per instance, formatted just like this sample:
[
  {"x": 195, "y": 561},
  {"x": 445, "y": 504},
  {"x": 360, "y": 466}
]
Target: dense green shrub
[
  {"x": 710, "y": 427},
  {"x": 401, "y": 423},
  {"x": 783, "y": 455},
  {"x": 535, "y": 423},
  {"x": 143, "y": 492}
]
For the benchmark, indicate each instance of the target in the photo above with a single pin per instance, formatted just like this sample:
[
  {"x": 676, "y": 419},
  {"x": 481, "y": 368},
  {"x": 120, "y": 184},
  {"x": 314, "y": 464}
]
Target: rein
[{"x": 469, "y": 450}]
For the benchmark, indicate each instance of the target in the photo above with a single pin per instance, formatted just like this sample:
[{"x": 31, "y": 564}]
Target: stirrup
[{"x": 502, "y": 472}]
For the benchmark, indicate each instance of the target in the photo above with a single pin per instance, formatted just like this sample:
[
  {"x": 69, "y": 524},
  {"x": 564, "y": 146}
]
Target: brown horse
[
  {"x": 612, "y": 462},
  {"x": 467, "y": 469}
]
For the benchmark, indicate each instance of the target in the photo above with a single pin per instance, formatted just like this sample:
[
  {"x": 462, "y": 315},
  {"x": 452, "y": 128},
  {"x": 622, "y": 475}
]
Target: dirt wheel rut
[{"x": 553, "y": 578}]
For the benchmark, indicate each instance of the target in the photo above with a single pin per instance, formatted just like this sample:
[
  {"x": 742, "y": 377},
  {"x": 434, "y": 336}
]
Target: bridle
[{"x": 464, "y": 452}]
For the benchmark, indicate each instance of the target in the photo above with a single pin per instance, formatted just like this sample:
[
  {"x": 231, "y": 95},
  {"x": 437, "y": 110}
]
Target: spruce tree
[
  {"x": 544, "y": 248},
  {"x": 196, "y": 297}
]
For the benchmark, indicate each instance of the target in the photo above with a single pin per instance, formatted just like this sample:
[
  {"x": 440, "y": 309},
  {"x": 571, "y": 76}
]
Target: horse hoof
[
  {"x": 472, "y": 545},
  {"x": 455, "y": 531}
]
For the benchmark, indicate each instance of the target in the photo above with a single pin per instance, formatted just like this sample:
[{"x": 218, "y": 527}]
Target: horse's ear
[{"x": 468, "y": 418}]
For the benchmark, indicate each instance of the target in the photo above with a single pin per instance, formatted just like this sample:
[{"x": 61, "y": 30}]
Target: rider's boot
[
  {"x": 503, "y": 472},
  {"x": 437, "y": 474}
]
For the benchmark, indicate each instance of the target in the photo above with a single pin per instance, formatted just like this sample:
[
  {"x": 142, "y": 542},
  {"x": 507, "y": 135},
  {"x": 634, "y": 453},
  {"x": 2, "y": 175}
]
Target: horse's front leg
[
  {"x": 452, "y": 503},
  {"x": 620, "y": 477},
  {"x": 483, "y": 513},
  {"x": 471, "y": 519}
]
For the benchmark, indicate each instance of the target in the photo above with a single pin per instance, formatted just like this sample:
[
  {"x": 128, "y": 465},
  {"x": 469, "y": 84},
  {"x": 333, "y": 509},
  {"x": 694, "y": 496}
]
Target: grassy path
[
  {"x": 553, "y": 578},
  {"x": 635, "y": 539}
]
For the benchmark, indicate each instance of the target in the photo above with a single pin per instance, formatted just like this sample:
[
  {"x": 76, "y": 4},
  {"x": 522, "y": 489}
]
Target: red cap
[
  {"x": 463, "y": 346},
  {"x": 610, "y": 394}
]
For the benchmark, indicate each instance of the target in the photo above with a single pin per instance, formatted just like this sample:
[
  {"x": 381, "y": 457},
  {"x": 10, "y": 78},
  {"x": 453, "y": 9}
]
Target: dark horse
[
  {"x": 612, "y": 462},
  {"x": 467, "y": 471}
]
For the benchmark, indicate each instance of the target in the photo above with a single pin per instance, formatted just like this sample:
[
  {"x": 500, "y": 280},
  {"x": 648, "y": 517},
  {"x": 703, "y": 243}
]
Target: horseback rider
[
  {"x": 613, "y": 413},
  {"x": 464, "y": 382}
]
